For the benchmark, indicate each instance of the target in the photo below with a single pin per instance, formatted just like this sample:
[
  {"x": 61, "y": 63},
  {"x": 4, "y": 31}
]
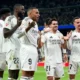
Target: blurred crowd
[{"x": 64, "y": 10}]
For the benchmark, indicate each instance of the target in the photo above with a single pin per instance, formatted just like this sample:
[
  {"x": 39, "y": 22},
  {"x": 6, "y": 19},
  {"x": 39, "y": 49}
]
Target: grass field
[{"x": 40, "y": 74}]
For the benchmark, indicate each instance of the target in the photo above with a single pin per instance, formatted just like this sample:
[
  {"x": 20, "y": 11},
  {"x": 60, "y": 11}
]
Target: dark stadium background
[{"x": 64, "y": 10}]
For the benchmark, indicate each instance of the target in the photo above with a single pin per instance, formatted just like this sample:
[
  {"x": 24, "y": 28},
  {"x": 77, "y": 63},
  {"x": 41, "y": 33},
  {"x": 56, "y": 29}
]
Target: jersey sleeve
[{"x": 7, "y": 23}]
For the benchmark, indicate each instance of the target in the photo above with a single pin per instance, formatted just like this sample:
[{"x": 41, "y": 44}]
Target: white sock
[
  {"x": 11, "y": 79},
  {"x": 31, "y": 78},
  {"x": 1, "y": 78},
  {"x": 25, "y": 78}
]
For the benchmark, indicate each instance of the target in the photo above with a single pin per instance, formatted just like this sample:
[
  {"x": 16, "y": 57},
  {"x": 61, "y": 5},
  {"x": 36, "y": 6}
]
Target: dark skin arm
[
  {"x": 32, "y": 24},
  {"x": 8, "y": 33}
]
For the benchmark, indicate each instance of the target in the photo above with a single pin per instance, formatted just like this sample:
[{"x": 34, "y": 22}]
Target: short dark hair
[
  {"x": 31, "y": 8},
  {"x": 4, "y": 11},
  {"x": 75, "y": 19},
  {"x": 16, "y": 6},
  {"x": 52, "y": 19},
  {"x": 46, "y": 21}
]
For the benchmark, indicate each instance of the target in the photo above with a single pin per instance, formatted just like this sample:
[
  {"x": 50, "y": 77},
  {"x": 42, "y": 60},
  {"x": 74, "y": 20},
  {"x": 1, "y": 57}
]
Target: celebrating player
[
  {"x": 4, "y": 12},
  {"x": 53, "y": 56},
  {"x": 12, "y": 42},
  {"x": 74, "y": 46},
  {"x": 28, "y": 51}
]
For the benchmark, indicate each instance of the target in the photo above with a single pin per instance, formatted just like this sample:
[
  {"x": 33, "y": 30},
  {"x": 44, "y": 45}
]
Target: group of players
[{"x": 20, "y": 38}]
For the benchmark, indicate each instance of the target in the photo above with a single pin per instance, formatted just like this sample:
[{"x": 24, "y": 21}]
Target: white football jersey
[
  {"x": 53, "y": 46},
  {"x": 2, "y": 24},
  {"x": 74, "y": 45},
  {"x": 31, "y": 37},
  {"x": 13, "y": 41}
]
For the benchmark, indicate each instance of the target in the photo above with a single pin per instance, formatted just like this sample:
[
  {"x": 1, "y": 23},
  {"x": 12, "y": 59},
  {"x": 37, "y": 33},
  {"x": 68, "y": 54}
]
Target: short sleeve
[{"x": 7, "y": 23}]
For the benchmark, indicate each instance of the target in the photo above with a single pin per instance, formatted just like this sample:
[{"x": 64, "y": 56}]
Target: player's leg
[
  {"x": 73, "y": 67},
  {"x": 2, "y": 64},
  {"x": 59, "y": 71},
  {"x": 13, "y": 74},
  {"x": 27, "y": 75},
  {"x": 13, "y": 65},
  {"x": 29, "y": 60},
  {"x": 1, "y": 74},
  {"x": 50, "y": 72}
]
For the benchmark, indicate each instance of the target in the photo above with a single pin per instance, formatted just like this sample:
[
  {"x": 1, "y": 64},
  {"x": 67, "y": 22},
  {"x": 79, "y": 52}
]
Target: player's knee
[
  {"x": 28, "y": 73},
  {"x": 72, "y": 77},
  {"x": 57, "y": 78},
  {"x": 13, "y": 74},
  {"x": 50, "y": 78},
  {"x": 32, "y": 73},
  {"x": 1, "y": 73}
]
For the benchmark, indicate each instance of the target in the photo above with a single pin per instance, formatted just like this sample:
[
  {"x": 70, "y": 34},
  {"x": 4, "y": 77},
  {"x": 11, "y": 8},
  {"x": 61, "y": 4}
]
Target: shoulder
[
  {"x": 74, "y": 32},
  {"x": 59, "y": 33},
  {"x": 47, "y": 34},
  {"x": 27, "y": 19},
  {"x": 9, "y": 18}
]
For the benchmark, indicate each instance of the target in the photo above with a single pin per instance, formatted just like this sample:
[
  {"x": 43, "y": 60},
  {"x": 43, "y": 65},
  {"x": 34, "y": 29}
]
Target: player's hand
[
  {"x": 32, "y": 24},
  {"x": 68, "y": 35},
  {"x": 46, "y": 30},
  {"x": 65, "y": 57}
]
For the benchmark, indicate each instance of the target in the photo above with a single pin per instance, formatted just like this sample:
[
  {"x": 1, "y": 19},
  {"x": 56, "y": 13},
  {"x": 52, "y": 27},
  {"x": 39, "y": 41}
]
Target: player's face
[
  {"x": 35, "y": 14},
  {"x": 21, "y": 9},
  {"x": 54, "y": 25},
  {"x": 77, "y": 24}
]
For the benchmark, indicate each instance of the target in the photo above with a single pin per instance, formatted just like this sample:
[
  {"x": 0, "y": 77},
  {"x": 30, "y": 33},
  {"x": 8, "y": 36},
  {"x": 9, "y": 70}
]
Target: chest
[{"x": 53, "y": 39}]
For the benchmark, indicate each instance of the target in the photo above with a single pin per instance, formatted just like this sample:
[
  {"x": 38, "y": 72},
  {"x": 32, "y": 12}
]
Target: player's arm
[
  {"x": 41, "y": 41},
  {"x": 65, "y": 55},
  {"x": 30, "y": 25},
  {"x": 65, "y": 39},
  {"x": 8, "y": 32}
]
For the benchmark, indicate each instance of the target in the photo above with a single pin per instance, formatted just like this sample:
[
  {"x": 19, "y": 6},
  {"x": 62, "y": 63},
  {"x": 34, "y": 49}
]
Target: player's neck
[
  {"x": 77, "y": 30},
  {"x": 53, "y": 31},
  {"x": 15, "y": 14}
]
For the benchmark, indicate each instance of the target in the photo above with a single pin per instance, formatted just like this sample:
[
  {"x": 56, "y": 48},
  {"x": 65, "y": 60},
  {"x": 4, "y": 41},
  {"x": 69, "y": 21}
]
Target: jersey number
[
  {"x": 70, "y": 66},
  {"x": 29, "y": 61},
  {"x": 47, "y": 68},
  {"x": 16, "y": 60}
]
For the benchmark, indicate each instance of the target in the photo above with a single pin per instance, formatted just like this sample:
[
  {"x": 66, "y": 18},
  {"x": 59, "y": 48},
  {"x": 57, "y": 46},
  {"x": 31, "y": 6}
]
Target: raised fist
[{"x": 32, "y": 24}]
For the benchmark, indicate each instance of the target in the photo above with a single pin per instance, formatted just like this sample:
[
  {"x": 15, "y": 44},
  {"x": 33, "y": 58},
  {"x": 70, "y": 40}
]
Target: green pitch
[{"x": 40, "y": 74}]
